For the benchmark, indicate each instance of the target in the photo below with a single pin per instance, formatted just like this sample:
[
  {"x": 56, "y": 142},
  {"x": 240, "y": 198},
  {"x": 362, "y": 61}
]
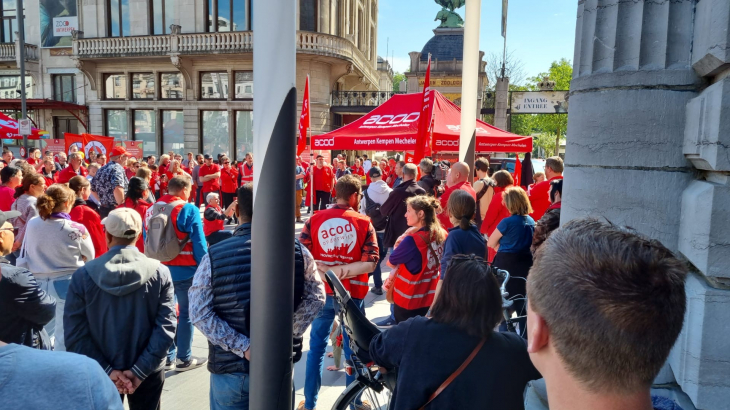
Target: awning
[
  {"x": 46, "y": 104},
  {"x": 393, "y": 126},
  {"x": 9, "y": 129}
]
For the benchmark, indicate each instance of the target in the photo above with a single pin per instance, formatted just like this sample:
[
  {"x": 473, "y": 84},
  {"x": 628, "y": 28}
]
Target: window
[
  {"x": 229, "y": 15},
  {"x": 9, "y": 21},
  {"x": 10, "y": 86},
  {"x": 162, "y": 15},
  {"x": 145, "y": 129},
  {"x": 244, "y": 85},
  {"x": 214, "y": 86},
  {"x": 215, "y": 132},
  {"x": 171, "y": 86},
  {"x": 173, "y": 136},
  {"x": 244, "y": 134},
  {"x": 63, "y": 125},
  {"x": 308, "y": 15},
  {"x": 117, "y": 125},
  {"x": 64, "y": 87},
  {"x": 143, "y": 86},
  {"x": 115, "y": 86},
  {"x": 118, "y": 20}
]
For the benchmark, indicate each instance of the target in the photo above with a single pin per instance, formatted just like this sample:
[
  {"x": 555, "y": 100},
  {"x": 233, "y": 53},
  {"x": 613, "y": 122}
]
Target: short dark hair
[
  {"x": 470, "y": 299},
  {"x": 557, "y": 185},
  {"x": 614, "y": 302},
  {"x": 482, "y": 164},
  {"x": 348, "y": 185},
  {"x": 178, "y": 183},
  {"x": 8, "y": 172},
  {"x": 245, "y": 201},
  {"x": 401, "y": 164},
  {"x": 319, "y": 156},
  {"x": 136, "y": 188}
]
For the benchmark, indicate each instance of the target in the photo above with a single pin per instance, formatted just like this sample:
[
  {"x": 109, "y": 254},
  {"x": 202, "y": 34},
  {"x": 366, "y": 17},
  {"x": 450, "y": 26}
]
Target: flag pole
[
  {"x": 311, "y": 170},
  {"x": 272, "y": 253},
  {"x": 469, "y": 82}
]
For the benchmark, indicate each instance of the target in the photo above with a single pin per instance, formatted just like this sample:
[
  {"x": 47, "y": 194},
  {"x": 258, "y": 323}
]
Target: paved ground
[{"x": 190, "y": 390}]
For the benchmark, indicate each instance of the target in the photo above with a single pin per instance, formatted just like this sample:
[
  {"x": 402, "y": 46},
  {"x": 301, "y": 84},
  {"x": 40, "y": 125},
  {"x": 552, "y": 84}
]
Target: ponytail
[
  {"x": 28, "y": 180},
  {"x": 430, "y": 207},
  {"x": 54, "y": 200}
]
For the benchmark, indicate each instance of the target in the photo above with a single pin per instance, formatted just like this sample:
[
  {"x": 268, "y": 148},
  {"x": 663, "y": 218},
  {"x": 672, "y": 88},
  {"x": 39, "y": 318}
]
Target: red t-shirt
[
  {"x": 540, "y": 198},
  {"x": 213, "y": 184},
  {"x": 6, "y": 198},
  {"x": 323, "y": 178},
  {"x": 67, "y": 173},
  {"x": 130, "y": 173},
  {"x": 444, "y": 216},
  {"x": 358, "y": 171},
  {"x": 229, "y": 180}
]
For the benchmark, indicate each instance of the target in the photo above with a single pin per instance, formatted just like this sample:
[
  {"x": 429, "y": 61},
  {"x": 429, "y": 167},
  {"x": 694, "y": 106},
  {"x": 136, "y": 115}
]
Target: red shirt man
[
  {"x": 457, "y": 179},
  {"x": 209, "y": 173},
  {"x": 73, "y": 169},
  {"x": 540, "y": 193}
]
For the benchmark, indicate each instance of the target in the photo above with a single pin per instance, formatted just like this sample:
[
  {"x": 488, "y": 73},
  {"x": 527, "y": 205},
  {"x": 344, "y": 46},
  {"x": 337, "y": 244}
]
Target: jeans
[
  {"x": 183, "y": 344},
  {"x": 229, "y": 391},
  {"x": 320, "y": 333},
  {"x": 147, "y": 396},
  {"x": 58, "y": 288},
  {"x": 377, "y": 273},
  {"x": 298, "y": 203},
  {"x": 198, "y": 193}
]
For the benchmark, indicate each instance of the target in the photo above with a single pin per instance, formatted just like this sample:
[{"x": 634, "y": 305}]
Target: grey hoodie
[
  {"x": 378, "y": 191},
  {"x": 120, "y": 312}
]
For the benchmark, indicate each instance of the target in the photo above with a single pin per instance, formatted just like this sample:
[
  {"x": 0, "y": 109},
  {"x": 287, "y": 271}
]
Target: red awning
[
  {"x": 9, "y": 129},
  {"x": 393, "y": 126}
]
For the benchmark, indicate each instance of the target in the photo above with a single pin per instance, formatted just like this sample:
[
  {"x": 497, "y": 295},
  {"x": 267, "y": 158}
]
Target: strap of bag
[
  {"x": 430, "y": 248},
  {"x": 484, "y": 189},
  {"x": 455, "y": 374}
]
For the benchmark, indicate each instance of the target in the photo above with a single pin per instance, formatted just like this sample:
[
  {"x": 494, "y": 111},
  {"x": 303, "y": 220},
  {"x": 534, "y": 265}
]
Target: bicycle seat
[{"x": 360, "y": 330}]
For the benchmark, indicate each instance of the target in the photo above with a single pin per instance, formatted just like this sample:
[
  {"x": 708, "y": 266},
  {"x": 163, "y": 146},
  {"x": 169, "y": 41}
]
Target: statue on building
[{"x": 447, "y": 16}]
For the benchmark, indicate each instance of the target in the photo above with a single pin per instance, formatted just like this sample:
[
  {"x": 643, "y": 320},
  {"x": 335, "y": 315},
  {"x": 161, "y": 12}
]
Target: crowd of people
[{"x": 112, "y": 261}]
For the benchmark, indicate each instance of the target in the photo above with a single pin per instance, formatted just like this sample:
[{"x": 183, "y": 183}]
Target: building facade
[{"x": 178, "y": 74}]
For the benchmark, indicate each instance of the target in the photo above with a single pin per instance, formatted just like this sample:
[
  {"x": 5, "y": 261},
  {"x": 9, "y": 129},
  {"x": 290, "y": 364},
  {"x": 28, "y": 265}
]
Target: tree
[
  {"x": 397, "y": 78},
  {"x": 514, "y": 69}
]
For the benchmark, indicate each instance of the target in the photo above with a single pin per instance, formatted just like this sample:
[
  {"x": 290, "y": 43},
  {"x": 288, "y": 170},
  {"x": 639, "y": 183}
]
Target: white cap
[{"x": 123, "y": 223}]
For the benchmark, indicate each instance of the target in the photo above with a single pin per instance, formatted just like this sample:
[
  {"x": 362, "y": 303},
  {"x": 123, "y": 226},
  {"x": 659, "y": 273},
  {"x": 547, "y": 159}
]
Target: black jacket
[
  {"x": 429, "y": 183},
  {"x": 24, "y": 307},
  {"x": 120, "y": 312},
  {"x": 395, "y": 209}
]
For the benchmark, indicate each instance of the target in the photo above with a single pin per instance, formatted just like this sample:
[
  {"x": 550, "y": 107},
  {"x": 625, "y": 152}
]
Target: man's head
[
  {"x": 459, "y": 173},
  {"x": 178, "y": 158},
  {"x": 93, "y": 168},
  {"x": 7, "y": 235},
  {"x": 341, "y": 163},
  {"x": 164, "y": 159},
  {"x": 190, "y": 155},
  {"x": 375, "y": 174},
  {"x": 245, "y": 203},
  {"x": 101, "y": 159},
  {"x": 208, "y": 159},
  {"x": 199, "y": 159},
  {"x": 348, "y": 190},
  {"x": 298, "y": 160},
  {"x": 409, "y": 172},
  {"x": 212, "y": 199},
  {"x": 61, "y": 157},
  {"x": 553, "y": 167},
  {"x": 320, "y": 161},
  {"x": 122, "y": 226},
  {"x": 482, "y": 167},
  {"x": 249, "y": 158},
  {"x": 426, "y": 166},
  {"x": 75, "y": 160},
  {"x": 605, "y": 307},
  {"x": 399, "y": 168},
  {"x": 556, "y": 191},
  {"x": 365, "y": 157},
  {"x": 119, "y": 155},
  {"x": 180, "y": 186}
]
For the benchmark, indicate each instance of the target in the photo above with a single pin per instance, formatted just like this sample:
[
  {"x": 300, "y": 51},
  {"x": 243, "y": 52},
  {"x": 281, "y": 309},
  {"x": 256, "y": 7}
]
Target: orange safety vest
[
  {"x": 246, "y": 173},
  {"x": 185, "y": 257},
  {"x": 338, "y": 236},
  {"x": 417, "y": 291}
]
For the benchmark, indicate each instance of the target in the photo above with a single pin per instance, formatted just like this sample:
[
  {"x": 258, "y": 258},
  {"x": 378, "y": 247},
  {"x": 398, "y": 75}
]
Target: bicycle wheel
[{"x": 377, "y": 401}]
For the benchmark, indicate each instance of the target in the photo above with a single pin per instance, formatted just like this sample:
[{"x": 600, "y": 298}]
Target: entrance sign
[{"x": 539, "y": 102}]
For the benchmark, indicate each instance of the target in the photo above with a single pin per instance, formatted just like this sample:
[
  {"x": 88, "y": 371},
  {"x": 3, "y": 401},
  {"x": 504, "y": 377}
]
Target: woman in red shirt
[
  {"x": 497, "y": 209},
  {"x": 229, "y": 182},
  {"x": 155, "y": 181},
  {"x": 85, "y": 215},
  {"x": 132, "y": 167},
  {"x": 11, "y": 178},
  {"x": 136, "y": 198}
]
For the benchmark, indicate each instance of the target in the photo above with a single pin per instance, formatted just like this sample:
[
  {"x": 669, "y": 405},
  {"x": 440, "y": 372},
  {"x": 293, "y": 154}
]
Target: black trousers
[
  {"x": 518, "y": 265},
  {"x": 104, "y": 211},
  {"x": 218, "y": 236},
  {"x": 227, "y": 199},
  {"x": 401, "y": 315},
  {"x": 147, "y": 396},
  {"x": 321, "y": 200}
]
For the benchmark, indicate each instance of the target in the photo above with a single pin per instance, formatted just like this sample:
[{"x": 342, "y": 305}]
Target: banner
[
  {"x": 58, "y": 19},
  {"x": 304, "y": 121},
  {"x": 55, "y": 146},
  {"x": 411, "y": 159},
  {"x": 88, "y": 142},
  {"x": 505, "y": 4},
  {"x": 134, "y": 148},
  {"x": 423, "y": 138},
  {"x": 540, "y": 102}
]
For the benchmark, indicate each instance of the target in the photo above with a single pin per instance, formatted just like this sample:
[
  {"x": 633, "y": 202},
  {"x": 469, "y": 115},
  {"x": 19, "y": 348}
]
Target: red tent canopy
[
  {"x": 9, "y": 129},
  {"x": 393, "y": 126}
]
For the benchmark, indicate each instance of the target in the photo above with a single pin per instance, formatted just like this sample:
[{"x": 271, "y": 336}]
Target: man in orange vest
[
  {"x": 245, "y": 170},
  {"x": 344, "y": 241}
]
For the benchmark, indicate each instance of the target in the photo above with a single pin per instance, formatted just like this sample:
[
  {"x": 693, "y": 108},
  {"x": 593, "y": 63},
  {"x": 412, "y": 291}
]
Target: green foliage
[{"x": 397, "y": 78}]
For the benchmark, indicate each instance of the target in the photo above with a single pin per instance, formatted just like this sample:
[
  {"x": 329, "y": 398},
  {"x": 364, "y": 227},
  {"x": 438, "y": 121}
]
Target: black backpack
[{"x": 372, "y": 209}]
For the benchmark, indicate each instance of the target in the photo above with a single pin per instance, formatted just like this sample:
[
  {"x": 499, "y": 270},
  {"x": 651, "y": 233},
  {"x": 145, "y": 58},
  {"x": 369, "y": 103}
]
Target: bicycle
[{"x": 372, "y": 384}]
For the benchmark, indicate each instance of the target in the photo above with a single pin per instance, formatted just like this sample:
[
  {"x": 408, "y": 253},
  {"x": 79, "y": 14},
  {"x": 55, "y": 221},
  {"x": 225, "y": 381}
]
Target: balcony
[
  {"x": 233, "y": 42},
  {"x": 359, "y": 101},
  {"x": 8, "y": 52}
]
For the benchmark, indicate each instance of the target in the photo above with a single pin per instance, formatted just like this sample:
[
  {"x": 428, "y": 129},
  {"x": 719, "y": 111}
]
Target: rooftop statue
[{"x": 447, "y": 16}]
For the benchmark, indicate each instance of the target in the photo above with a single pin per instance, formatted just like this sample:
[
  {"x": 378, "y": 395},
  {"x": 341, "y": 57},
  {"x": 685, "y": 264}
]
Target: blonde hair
[
  {"x": 430, "y": 207},
  {"x": 538, "y": 174},
  {"x": 54, "y": 200},
  {"x": 516, "y": 201},
  {"x": 144, "y": 173}
]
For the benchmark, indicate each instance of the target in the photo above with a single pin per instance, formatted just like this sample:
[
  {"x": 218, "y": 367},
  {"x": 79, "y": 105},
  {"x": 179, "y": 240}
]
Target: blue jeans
[
  {"x": 320, "y": 333},
  {"x": 183, "y": 343},
  {"x": 377, "y": 274},
  {"x": 229, "y": 391}
]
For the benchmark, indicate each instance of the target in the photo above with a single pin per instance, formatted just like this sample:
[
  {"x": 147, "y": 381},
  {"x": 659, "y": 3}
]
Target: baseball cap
[
  {"x": 207, "y": 156},
  {"x": 123, "y": 223},
  {"x": 4, "y": 216},
  {"x": 117, "y": 151},
  {"x": 375, "y": 172}
]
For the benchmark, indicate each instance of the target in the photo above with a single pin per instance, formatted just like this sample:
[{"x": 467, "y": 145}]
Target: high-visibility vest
[
  {"x": 185, "y": 257},
  {"x": 338, "y": 236},
  {"x": 246, "y": 173},
  {"x": 417, "y": 291}
]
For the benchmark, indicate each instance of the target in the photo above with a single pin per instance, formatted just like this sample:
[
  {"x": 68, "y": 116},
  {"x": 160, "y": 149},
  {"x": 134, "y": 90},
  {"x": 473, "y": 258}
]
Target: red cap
[{"x": 117, "y": 151}]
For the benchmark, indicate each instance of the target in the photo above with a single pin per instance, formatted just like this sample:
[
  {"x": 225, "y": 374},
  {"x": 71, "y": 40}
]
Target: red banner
[
  {"x": 304, "y": 121},
  {"x": 134, "y": 148},
  {"x": 55, "y": 146},
  {"x": 423, "y": 138},
  {"x": 88, "y": 142},
  {"x": 410, "y": 158}
]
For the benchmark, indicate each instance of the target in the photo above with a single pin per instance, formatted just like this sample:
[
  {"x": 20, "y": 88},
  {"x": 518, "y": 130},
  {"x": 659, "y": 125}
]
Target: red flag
[
  {"x": 87, "y": 142},
  {"x": 304, "y": 120},
  {"x": 518, "y": 170},
  {"x": 73, "y": 139},
  {"x": 423, "y": 139}
]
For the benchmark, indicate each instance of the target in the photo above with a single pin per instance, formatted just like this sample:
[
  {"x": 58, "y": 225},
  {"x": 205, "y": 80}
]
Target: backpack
[
  {"x": 161, "y": 242},
  {"x": 372, "y": 209}
]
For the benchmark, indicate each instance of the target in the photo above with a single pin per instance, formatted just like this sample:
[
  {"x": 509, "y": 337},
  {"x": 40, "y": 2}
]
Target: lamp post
[{"x": 20, "y": 13}]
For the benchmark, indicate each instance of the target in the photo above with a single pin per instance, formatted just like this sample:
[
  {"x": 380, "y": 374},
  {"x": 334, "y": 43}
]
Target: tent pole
[{"x": 311, "y": 171}]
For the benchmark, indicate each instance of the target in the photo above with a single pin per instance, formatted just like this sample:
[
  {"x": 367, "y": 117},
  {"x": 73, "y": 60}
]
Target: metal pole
[
  {"x": 557, "y": 143},
  {"x": 272, "y": 276},
  {"x": 311, "y": 172},
  {"x": 470, "y": 77},
  {"x": 21, "y": 53}
]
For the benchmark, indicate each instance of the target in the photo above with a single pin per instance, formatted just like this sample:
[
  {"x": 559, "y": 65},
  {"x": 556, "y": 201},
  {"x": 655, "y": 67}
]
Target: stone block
[
  {"x": 711, "y": 50},
  {"x": 700, "y": 359},
  {"x": 627, "y": 127},
  {"x": 704, "y": 227},
  {"x": 707, "y": 128}
]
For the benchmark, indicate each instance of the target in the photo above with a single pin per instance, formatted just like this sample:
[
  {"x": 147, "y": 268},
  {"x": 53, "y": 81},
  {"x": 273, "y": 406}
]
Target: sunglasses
[{"x": 226, "y": 163}]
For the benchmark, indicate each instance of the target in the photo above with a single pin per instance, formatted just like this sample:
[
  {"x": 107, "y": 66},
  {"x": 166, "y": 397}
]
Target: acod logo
[
  {"x": 324, "y": 143},
  {"x": 337, "y": 233},
  {"x": 392, "y": 119},
  {"x": 441, "y": 143}
]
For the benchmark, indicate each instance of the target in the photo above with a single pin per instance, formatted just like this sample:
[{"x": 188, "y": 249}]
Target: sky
[{"x": 538, "y": 31}]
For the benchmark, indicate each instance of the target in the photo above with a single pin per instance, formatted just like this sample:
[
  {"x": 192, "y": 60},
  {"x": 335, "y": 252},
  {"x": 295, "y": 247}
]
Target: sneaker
[
  {"x": 301, "y": 406},
  {"x": 363, "y": 406},
  {"x": 169, "y": 365},
  {"x": 388, "y": 322},
  {"x": 376, "y": 291},
  {"x": 193, "y": 363}
]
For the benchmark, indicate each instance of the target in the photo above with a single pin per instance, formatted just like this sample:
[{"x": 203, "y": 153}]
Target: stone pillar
[
  {"x": 501, "y": 102},
  {"x": 648, "y": 111}
]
